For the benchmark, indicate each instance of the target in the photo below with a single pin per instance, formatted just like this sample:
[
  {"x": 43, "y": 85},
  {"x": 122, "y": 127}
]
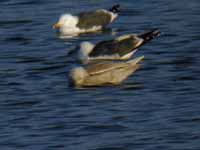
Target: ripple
[
  {"x": 185, "y": 78},
  {"x": 46, "y": 68},
  {"x": 15, "y": 22},
  {"x": 56, "y": 126},
  {"x": 29, "y": 59},
  {"x": 111, "y": 148},
  {"x": 130, "y": 12},
  {"x": 21, "y": 103},
  {"x": 181, "y": 61},
  {"x": 31, "y": 2},
  {"x": 106, "y": 128},
  {"x": 119, "y": 118},
  {"x": 133, "y": 86},
  {"x": 189, "y": 120},
  {"x": 18, "y": 39}
]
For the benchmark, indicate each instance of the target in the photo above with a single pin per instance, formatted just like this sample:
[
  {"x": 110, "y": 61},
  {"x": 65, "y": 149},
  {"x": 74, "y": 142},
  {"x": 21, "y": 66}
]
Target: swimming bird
[
  {"x": 120, "y": 48},
  {"x": 103, "y": 72},
  {"x": 90, "y": 21}
]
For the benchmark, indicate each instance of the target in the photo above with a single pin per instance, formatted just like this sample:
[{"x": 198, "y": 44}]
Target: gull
[
  {"x": 91, "y": 21},
  {"x": 103, "y": 73},
  {"x": 120, "y": 48}
]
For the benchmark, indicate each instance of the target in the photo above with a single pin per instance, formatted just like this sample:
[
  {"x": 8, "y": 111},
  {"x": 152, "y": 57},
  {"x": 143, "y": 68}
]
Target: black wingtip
[
  {"x": 149, "y": 35},
  {"x": 115, "y": 8}
]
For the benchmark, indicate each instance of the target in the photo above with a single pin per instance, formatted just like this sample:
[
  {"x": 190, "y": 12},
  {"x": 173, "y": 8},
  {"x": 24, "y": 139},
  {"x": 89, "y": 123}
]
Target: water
[{"x": 156, "y": 108}]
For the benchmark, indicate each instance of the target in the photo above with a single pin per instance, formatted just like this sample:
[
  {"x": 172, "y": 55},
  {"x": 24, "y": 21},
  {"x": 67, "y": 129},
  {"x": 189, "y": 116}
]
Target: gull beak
[{"x": 56, "y": 25}]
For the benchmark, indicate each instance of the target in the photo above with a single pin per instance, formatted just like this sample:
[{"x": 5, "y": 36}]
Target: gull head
[
  {"x": 66, "y": 20},
  {"x": 85, "y": 49},
  {"x": 78, "y": 75}
]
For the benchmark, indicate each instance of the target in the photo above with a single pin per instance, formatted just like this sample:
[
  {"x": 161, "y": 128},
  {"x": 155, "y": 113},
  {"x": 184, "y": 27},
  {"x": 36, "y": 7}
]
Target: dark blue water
[{"x": 157, "y": 108}]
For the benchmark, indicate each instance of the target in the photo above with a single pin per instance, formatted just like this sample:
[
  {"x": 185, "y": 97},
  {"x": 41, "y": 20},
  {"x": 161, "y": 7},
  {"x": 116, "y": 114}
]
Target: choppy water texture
[{"x": 157, "y": 108}]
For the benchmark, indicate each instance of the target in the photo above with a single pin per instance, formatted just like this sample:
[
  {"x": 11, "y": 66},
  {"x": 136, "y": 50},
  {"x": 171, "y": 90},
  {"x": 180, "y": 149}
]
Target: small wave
[
  {"x": 103, "y": 127},
  {"x": 32, "y": 2},
  {"x": 18, "y": 39},
  {"x": 14, "y": 22}
]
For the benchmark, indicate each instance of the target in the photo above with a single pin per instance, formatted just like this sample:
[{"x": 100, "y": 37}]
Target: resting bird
[
  {"x": 91, "y": 21},
  {"x": 120, "y": 48},
  {"x": 103, "y": 72}
]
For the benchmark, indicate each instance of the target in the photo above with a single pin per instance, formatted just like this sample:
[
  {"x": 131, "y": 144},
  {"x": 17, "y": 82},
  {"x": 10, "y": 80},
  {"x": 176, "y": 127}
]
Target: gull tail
[
  {"x": 115, "y": 8},
  {"x": 149, "y": 35},
  {"x": 135, "y": 61}
]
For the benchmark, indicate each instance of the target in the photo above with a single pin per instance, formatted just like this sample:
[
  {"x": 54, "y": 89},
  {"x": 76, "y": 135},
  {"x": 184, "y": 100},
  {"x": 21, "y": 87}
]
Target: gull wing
[
  {"x": 120, "y": 46},
  {"x": 104, "y": 66},
  {"x": 90, "y": 19}
]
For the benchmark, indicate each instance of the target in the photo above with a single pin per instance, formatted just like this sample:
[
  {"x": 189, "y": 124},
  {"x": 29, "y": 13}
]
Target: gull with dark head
[
  {"x": 84, "y": 22},
  {"x": 120, "y": 48},
  {"x": 104, "y": 72}
]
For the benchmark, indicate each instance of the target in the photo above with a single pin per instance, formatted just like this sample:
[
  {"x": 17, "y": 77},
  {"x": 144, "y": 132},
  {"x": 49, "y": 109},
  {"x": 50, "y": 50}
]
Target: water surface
[{"x": 156, "y": 108}]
